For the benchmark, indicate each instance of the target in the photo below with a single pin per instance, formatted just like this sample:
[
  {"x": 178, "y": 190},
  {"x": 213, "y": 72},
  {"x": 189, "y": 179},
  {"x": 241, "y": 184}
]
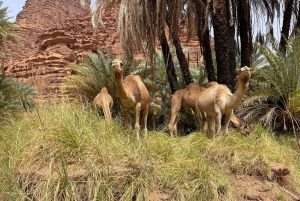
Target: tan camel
[
  {"x": 105, "y": 102},
  {"x": 134, "y": 96},
  {"x": 185, "y": 98},
  {"x": 217, "y": 100}
]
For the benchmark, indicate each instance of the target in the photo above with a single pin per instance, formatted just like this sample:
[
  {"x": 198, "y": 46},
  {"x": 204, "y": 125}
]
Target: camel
[
  {"x": 134, "y": 96},
  {"x": 105, "y": 102},
  {"x": 217, "y": 99},
  {"x": 185, "y": 98}
]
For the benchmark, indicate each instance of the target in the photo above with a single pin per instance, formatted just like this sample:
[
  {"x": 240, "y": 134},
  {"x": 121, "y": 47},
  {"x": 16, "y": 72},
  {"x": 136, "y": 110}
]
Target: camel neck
[
  {"x": 239, "y": 93},
  {"x": 120, "y": 84}
]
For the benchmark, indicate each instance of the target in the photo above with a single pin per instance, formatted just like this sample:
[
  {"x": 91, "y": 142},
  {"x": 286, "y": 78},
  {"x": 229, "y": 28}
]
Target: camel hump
[
  {"x": 133, "y": 77},
  {"x": 211, "y": 84},
  {"x": 104, "y": 90},
  {"x": 194, "y": 87}
]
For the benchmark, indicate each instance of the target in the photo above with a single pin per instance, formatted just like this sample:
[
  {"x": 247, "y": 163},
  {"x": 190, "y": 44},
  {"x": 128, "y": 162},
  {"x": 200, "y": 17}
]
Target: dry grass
[{"x": 69, "y": 153}]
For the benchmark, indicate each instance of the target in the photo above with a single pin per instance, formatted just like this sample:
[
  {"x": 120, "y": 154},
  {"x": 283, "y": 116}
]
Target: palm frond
[{"x": 274, "y": 98}]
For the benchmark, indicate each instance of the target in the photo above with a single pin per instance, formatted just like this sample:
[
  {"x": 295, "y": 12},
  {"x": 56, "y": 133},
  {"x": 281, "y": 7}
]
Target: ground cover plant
[{"x": 68, "y": 152}]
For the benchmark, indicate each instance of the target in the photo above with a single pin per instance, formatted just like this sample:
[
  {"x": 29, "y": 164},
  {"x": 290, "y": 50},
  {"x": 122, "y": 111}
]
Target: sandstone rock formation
[{"x": 56, "y": 33}]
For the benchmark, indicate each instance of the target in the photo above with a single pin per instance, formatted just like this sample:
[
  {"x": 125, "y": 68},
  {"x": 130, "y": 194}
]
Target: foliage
[
  {"x": 274, "y": 101},
  {"x": 91, "y": 75},
  {"x": 24, "y": 93},
  {"x": 257, "y": 59},
  {"x": 156, "y": 81},
  {"x": 7, "y": 28},
  {"x": 74, "y": 155},
  {"x": 155, "y": 78},
  {"x": 16, "y": 97}
]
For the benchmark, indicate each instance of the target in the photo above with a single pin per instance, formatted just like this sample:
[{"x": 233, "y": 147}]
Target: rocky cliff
[{"x": 56, "y": 33}]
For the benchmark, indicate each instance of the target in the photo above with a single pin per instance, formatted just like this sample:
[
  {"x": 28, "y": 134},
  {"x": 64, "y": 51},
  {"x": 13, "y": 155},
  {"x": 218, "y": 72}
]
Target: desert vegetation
[
  {"x": 64, "y": 150},
  {"x": 68, "y": 153}
]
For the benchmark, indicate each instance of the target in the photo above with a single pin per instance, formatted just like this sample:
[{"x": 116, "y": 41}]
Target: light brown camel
[
  {"x": 185, "y": 98},
  {"x": 105, "y": 102},
  {"x": 217, "y": 100},
  {"x": 134, "y": 96}
]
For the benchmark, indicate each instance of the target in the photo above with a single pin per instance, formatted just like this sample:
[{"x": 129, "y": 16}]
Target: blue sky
[{"x": 15, "y": 6}]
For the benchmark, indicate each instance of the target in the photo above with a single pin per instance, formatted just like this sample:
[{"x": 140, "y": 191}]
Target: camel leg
[
  {"x": 126, "y": 117},
  {"x": 137, "y": 119},
  {"x": 205, "y": 127},
  {"x": 212, "y": 126},
  {"x": 218, "y": 120},
  {"x": 145, "y": 116},
  {"x": 201, "y": 117},
  {"x": 227, "y": 120},
  {"x": 208, "y": 120},
  {"x": 175, "y": 107},
  {"x": 173, "y": 121}
]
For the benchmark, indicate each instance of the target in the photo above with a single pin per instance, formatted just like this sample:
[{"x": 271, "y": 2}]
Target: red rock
[{"x": 56, "y": 33}]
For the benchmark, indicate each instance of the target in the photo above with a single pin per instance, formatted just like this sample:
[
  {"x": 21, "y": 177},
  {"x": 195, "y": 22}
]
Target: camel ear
[{"x": 237, "y": 70}]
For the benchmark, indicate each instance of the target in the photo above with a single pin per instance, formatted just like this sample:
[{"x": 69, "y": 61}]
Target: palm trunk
[
  {"x": 170, "y": 70},
  {"x": 221, "y": 33},
  {"x": 204, "y": 43},
  {"x": 184, "y": 66},
  {"x": 298, "y": 20},
  {"x": 244, "y": 34},
  {"x": 286, "y": 24},
  {"x": 232, "y": 49}
]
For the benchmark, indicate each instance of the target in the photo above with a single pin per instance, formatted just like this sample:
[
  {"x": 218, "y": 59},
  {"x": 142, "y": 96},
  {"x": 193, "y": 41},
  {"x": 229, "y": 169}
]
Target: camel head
[
  {"x": 244, "y": 74},
  {"x": 117, "y": 66}
]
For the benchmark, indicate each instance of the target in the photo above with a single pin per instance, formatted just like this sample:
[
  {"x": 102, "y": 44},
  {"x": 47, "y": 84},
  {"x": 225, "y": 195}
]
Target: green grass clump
[{"x": 67, "y": 152}]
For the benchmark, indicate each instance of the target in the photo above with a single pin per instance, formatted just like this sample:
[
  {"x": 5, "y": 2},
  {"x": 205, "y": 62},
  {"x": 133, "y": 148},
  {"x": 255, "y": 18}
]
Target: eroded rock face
[
  {"x": 57, "y": 33},
  {"x": 47, "y": 50},
  {"x": 38, "y": 16}
]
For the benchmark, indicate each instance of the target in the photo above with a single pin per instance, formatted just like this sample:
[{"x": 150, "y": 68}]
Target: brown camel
[
  {"x": 217, "y": 100},
  {"x": 134, "y": 96},
  {"x": 105, "y": 102},
  {"x": 185, "y": 98}
]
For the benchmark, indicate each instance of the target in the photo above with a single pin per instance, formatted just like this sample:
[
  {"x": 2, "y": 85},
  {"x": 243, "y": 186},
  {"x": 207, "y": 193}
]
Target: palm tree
[
  {"x": 204, "y": 38},
  {"x": 169, "y": 64},
  {"x": 220, "y": 19},
  {"x": 184, "y": 66},
  {"x": 15, "y": 98},
  {"x": 24, "y": 93},
  {"x": 91, "y": 75},
  {"x": 145, "y": 25},
  {"x": 287, "y": 15},
  {"x": 6, "y": 29},
  {"x": 276, "y": 102}
]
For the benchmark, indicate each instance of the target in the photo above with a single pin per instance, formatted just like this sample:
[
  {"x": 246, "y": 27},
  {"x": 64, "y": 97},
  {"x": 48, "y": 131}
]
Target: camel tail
[{"x": 106, "y": 111}]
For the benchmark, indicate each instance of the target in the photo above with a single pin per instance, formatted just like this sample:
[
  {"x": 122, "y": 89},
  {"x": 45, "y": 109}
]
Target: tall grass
[{"x": 73, "y": 154}]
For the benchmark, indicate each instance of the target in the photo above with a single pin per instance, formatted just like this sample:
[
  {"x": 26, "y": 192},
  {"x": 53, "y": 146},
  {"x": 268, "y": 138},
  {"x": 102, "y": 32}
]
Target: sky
[{"x": 15, "y": 6}]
